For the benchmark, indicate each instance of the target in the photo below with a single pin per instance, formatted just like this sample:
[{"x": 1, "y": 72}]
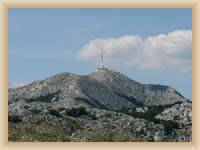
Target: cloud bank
[{"x": 171, "y": 51}]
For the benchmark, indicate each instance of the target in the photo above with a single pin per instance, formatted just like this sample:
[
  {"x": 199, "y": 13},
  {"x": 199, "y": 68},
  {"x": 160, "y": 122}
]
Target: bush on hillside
[{"x": 77, "y": 112}]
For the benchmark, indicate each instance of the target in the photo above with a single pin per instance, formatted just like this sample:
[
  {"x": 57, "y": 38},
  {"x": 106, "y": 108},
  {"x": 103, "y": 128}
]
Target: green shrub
[
  {"x": 129, "y": 111},
  {"x": 176, "y": 117},
  {"x": 26, "y": 107},
  {"x": 170, "y": 125},
  {"x": 35, "y": 111},
  {"x": 54, "y": 112},
  {"x": 92, "y": 116},
  {"x": 152, "y": 112},
  {"x": 77, "y": 112},
  {"x": 72, "y": 125},
  {"x": 148, "y": 115},
  {"x": 14, "y": 118}
]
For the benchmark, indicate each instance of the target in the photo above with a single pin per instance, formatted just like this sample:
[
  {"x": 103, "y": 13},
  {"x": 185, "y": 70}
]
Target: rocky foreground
[{"x": 102, "y": 106}]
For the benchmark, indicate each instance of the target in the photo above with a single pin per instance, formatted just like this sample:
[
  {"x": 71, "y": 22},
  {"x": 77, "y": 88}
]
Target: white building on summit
[{"x": 101, "y": 65}]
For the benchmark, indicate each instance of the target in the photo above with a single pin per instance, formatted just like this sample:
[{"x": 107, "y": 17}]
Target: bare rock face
[{"x": 102, "y": 106}]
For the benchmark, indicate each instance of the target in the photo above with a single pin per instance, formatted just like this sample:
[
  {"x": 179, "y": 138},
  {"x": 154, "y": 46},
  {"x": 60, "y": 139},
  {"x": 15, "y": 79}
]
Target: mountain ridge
[
  {"x": 101, "y": 106},
  {"x": 103, "y": 87}
]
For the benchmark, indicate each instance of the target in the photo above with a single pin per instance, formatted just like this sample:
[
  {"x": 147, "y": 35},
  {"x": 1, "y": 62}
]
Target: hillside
[{"x": 102, "y": 106}]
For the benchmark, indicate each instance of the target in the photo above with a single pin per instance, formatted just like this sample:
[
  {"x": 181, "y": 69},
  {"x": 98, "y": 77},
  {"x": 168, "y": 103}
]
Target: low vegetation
[
  {"x": 77, "y": 112},
  {"x": 44, "y": 98},
  {"x": 170, "y": 125},
  {"x": 14, "y": 119},
  {"x": 131, "y": 99},
  {"x": 54, "y": 112},
  {"x": 35, "y": 111},
  {"x": 92, "y": 102},
  {"x": 29, "y": 132},
  {"x": 73, "y": 112},
  {"x": 149, "y": 115}
]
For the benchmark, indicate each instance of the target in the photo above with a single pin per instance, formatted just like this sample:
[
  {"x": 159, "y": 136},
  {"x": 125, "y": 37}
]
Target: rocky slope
[
  {"x": 102, "y": 106},
  {"x": 102, "y": 89}
]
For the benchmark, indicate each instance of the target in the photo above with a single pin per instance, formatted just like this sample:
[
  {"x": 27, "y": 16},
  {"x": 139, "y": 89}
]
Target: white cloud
[{"x": 172, "y": 51}]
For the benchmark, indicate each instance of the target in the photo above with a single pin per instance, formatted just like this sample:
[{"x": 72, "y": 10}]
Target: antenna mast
[{"x": 101, "y": 66}]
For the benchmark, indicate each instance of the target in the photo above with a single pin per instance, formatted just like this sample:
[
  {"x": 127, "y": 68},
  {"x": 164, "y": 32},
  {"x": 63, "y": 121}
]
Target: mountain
[
  {"x": 101, "y": 89},
  {"x": 89, "y": 99}
]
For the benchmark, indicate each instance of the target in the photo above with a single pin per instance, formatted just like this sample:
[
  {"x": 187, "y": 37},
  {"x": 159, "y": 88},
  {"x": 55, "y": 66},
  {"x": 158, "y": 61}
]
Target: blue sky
[{"x": 44, "y": 42}]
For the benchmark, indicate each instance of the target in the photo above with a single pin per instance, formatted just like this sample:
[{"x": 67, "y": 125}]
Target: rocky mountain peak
[
  {"x": 106, "y": 75},
  {"x": 104, "y": 88}
]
